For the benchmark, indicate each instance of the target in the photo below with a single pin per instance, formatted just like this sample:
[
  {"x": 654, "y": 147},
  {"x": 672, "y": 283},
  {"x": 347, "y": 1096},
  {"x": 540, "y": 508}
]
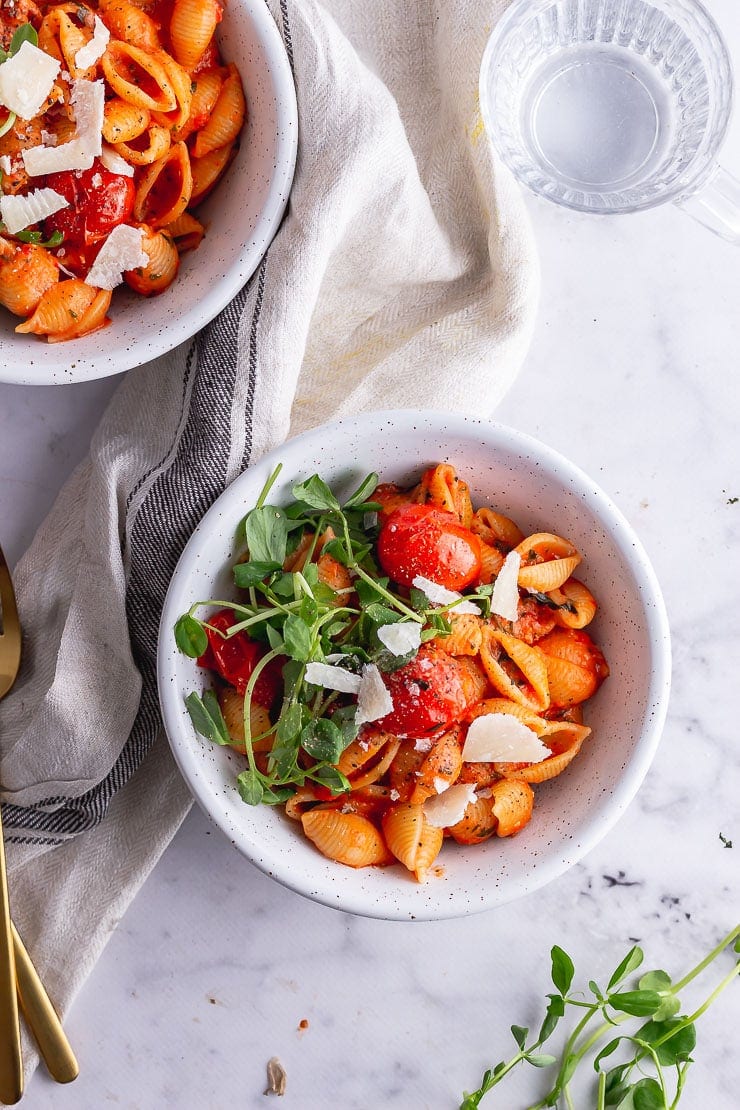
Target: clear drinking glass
[{"x": 613, "y": 106}]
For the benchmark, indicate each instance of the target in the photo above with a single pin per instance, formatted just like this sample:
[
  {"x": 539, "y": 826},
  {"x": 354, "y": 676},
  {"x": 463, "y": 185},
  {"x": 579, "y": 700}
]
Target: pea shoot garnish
[{"x": 662, "y": 1044}]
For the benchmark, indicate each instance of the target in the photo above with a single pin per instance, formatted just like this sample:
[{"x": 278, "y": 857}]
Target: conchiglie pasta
[
  {"x": 348, "y": 838},
  {"x": 441, "y": 487},
  {"x": 577, "y": 606},
  {"x": 513, "y": 802},
  {"x": 363, "y": 749},
  {"x": 68, "y": 309},
  {"x": 123, "y": 121},
  {"x": 186, "y": 232},
  {"x": 138, "y": 77},
  {"x": 26, "y": 272},
  {"x": 207, "y": 171},
  {"x": 515, "y": 669},
  {"x": 149, "y": 146},
  {"x": 128, "y": 22},
  {"x": 191, "y": 29},
  {"x": 575, "y": 666},
  {"x": 227, "y": 118},
  {"x": 182, "y": 86},
  {"x": 496, "y": 529},
  {"x": 161, "y": 270},
  {"x": 205, "y": 91},
  {"x": 165, "y": 188},
  {"x": 491, "y": 561},
  {"x": 547, "y": 561},
  {"x": 61, "y": 37},
  {"x": 411, "y": 839},
  {"x": 477, "y": 824}
]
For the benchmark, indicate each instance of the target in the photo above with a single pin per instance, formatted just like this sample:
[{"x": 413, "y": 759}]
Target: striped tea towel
[{"x": 404, "y": 275}]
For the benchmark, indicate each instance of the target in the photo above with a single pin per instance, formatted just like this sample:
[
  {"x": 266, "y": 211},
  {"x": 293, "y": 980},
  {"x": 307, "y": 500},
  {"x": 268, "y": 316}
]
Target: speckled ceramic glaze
[
  {"x": 542, "y": 491},
  {"x": 242, "y": 216}
]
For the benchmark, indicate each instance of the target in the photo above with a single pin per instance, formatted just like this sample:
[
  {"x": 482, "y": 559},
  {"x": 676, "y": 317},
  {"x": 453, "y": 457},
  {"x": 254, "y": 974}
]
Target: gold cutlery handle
[
  {"x": 11, "y": 1062},
  {"x": 42, "y": 1018}
]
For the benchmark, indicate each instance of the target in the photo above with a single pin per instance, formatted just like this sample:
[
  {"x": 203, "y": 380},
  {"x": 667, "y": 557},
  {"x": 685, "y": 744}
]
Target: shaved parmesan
[
  {"x": 121, "y": 251},
  {"x": 332, "y": 678},
  {"x": 400, "y": 638},
  {"x": 505, "y": 596},
  {"x": 88, "y": 102},
  {"x": 447, "y": 808},
  {"x": 19, "y": 212},
  {"x": 115, "y": 163},
  {"x": 26, "y": 79},
  {"x": 373, "y": 699},
  {"x": 5, "y": 163},
  {"x": 440, "y": 595},
  {"x": 88, "y": 55},
  {"x": 502, "y": 738}
]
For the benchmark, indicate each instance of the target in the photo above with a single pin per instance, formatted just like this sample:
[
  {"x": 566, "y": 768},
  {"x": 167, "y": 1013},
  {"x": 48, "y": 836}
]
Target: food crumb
[
  {"x": 303, "y": 1025},
  {"x": 276, "y": 1077}
]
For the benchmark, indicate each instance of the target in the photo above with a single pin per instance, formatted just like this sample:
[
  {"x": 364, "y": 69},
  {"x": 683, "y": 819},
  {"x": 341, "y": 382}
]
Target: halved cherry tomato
[
  {"x": 98, "y": 201},
  {"x": 421, "y": 540},
  {"x": 235, "y": 659},
  {"x": 429, "y": 694}
]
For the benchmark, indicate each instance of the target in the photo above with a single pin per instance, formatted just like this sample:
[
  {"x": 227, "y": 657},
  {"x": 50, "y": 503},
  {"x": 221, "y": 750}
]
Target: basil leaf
[
  {"x": 250, "y": 787},
  {"x": 252, "y": 573},
  {"x": 207, "y": 718},
  {"x": 266, "y": 532},
  {"x": 315, "y": 493},
  {"x": 190, "y": 636}
]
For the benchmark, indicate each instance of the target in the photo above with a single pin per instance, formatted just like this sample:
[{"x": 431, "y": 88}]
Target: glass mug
[{"x": 612, "y": 106}]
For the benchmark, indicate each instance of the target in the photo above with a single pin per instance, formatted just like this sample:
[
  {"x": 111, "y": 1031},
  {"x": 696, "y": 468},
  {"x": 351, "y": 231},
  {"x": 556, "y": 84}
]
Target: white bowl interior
[
  {"x": 542, "y": 492},
  {"x": 241, "y": 216}
]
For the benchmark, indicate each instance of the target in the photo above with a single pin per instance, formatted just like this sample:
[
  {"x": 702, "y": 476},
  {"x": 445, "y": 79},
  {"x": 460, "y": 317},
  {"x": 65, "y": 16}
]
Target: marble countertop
[{"x": 633, "y": 373}]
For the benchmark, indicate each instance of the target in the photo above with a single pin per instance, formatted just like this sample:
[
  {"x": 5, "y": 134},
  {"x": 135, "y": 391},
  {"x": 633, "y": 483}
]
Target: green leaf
[
  {"x": 363, "y": 492},
  {"x": 297, "y": 638},
  {"x": 11, "y": 117},
  {"x": 250, "y": 787},
  {"x": 562, "y": 969},
  {"x": 677, "y": 1048},
  {"x": 636, "y": 1003},
  {"x": 284, "y": 585},
  {"x": 190, "y": 636},
  {"x": 266, "y": 531},
  {"x": 519, "y": 1034},
  {"x": 595, "y": 990},
  {"x": 315, "y": 493},
  {"x": 276, "y": 795},
  {"x": 274, "y": 639},
  {"x": 345, "y": 719},
  {"x": 555, "y": 1010},
  {"x": 655, "y": 981},
  {"x": 630, "y": 963},
  {"x": 330, "y": 777},
  {"x": 418, "y": 600},
  {"x": 615, "y": 1088},
  {"x": 338, "y": 550},
  {"x": 36, "y": 237},
  {"x": 290, "y": 724},
  {"x": 660, "y": 981},
  {"x": 543, "y": 1060},
  {"x": 380, "y": 614},
  {"x": 323, "y": 740},
  {"x": 647, "y": 1095},
  {"x": 207, "y": 718},
  {"x": 252, "y": 573},
  {"x": 25, "y": 33},
  {"x": 607, "y": 1050},
  {"x": 367, "y": 592}
]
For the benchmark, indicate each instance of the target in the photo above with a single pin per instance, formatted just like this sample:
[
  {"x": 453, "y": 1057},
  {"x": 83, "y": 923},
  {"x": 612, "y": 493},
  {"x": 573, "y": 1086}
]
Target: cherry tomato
[
  {"x": 98, "y": 201},
  {"x": 235, "y": 659},
  {"x": 429, "y": 694},
  {"x": 421, "y": 540}
]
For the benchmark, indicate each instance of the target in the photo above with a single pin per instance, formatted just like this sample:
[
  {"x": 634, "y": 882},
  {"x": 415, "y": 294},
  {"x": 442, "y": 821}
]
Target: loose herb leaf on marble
[
  {"x": 659, "y": 1038},
  {"x": 726, "y": 842}
]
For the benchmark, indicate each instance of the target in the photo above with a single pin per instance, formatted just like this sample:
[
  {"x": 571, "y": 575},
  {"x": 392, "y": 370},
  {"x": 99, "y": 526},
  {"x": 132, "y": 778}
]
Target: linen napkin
[{"x": 403, "y": 275}]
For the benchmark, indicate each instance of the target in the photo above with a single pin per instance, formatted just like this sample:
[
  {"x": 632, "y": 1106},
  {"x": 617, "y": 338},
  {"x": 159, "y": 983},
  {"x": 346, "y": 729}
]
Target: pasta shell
[
  {"x": 128, "y": 22},
  {"x": 440, "y": 486},
  {"x": 138, "y": 77},
  {"x": 192, "y": 25},
  {"x": 376, "y": 772},
  {"x": 161, "y": 271},
  {"x": 411, "y": 839},
  {"x": 347, "y": 838},
  {"x": 363, "y": 749},
  {"x": 496, "y": 529},
  {"x": 25, "y": 275},
  {"x": 575, "y": 666},
  {"x": 442, "y": 764},
  {"x": 61, "y": 37},
  {"x": 227, "y": 118},
  {"x": 123, "y": 122},
  {"x": 186, "y": 231},
  {"x": 466, "y": 635},
  {"x": 491, "y": 561},
  {"x": 164, "y": 188},
  {"x": 547, "y": 561},
  {"x": 260, "y": 725},
  {"x": 390, "y": 497},
  {"x": 515, "y": 669},
  {"x": 182, "y": 85},
  {"x": 202, "y": 102},
  {"x": 147, "y": 147},
  {"x": 63, "y": 309},
  {"x": 477, "y": 824},
  {"x": 578, "y": 604},
  {"x": 513, "y": 801},
  {"x": 208, "y": 170}
]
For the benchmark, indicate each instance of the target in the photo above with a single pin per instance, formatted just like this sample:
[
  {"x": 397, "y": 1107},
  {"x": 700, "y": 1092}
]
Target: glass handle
[{"x": 717, "y": 205}]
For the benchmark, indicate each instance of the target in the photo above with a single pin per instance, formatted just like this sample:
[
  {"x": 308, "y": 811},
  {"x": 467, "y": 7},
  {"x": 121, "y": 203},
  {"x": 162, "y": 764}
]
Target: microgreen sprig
[{"x": 663, "y": 1043}]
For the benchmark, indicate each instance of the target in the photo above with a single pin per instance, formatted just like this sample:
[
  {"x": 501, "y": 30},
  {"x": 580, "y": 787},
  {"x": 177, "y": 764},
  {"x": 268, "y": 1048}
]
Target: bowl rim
[
  {"x": 656, "y": 701},
  {"x": 64, "y": 367}
]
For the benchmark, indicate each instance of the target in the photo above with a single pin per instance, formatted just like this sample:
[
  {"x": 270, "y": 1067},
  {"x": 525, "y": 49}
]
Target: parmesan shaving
[
  {"x": 115, "y": 163},
  {"x": 26, "y": 79},
  {"x": 332, "y": 678},
  {"x": 502, "y": 738},
  {"x": 440, "y": 595},
  {"x": 373, "y": 699},
  {"x": 447, "y": 808},
  {"x": 19, "y": 212},
  {"x": 88, "y": 102},
  {"x": 89, "y": 54},
  {"x": 505, "y": 596},
  {"x": 120, "y": 252},
  {"x": 400, "y": 638}
]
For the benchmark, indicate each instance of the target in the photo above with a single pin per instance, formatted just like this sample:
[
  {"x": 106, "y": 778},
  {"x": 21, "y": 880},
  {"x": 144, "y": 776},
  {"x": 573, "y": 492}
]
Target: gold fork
[{"x": 19, "y": 980}]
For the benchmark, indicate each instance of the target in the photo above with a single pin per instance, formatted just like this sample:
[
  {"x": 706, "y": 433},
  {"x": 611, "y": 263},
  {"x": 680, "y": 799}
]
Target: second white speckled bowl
[
  {"x": 542, "y": 491},
  {"x": 241, "y": 216}
]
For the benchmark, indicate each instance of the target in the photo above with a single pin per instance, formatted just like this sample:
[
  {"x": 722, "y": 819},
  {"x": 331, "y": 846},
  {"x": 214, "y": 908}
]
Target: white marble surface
[{"x": 633, "y": 373}]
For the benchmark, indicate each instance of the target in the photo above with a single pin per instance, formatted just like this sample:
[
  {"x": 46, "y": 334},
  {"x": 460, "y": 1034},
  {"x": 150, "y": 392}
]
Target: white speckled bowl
[
  {"x": 242, "y": 216},
  {"x": 542, "y": 491}
]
